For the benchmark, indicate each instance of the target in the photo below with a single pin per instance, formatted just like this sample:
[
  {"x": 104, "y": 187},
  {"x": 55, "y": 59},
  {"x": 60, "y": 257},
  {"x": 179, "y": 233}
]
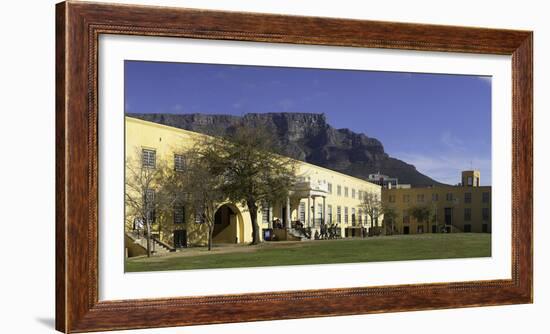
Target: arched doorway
[{"x": 227, "y": 224}]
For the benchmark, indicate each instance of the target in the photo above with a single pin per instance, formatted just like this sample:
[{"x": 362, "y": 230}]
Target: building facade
[
  {"x": 462, "y": 208},
  {"x": 321, "y": 197}
]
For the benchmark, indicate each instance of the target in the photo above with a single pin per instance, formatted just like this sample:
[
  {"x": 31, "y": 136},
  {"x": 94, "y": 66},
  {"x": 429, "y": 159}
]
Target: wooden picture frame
[{"x": 78, "y": 27}]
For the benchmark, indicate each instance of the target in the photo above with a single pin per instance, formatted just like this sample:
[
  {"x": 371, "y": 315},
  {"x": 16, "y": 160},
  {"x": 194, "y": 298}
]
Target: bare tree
[
  {"x": 372, "y": 205},
  {"x": 252, "y": 171},
  {"x": 143, "y": 194},
  {"x": 195, "y": 185}
]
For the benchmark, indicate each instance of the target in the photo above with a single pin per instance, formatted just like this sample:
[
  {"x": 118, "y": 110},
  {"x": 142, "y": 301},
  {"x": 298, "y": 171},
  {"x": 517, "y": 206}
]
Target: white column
[
  {"x": 313, "y": 211},
  {"x": 324, "y": 211},
  {"x": 269, "y": 220},
  {"x": 308, "y": 210}
]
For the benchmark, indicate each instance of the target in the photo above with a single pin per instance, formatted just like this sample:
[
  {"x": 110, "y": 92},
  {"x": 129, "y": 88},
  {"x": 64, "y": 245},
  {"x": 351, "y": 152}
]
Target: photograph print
[{"x": 236, "y": 166}]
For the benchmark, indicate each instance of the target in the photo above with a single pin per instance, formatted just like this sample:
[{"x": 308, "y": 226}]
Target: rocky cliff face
[{"x": 307, "y": 137}]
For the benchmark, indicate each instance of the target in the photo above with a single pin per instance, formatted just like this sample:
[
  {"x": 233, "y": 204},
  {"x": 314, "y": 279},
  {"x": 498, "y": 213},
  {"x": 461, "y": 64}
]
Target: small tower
[{"x": 470, "y": 178}]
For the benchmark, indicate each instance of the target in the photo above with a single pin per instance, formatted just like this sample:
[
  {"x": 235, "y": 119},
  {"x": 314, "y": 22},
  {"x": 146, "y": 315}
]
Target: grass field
[{"x": 387, "y": 248}]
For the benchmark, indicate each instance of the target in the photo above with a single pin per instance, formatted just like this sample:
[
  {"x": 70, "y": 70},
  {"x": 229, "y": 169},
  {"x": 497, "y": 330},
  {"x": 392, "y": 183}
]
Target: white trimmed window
[
  {"x": 179, "y": 214},
  {"x": 345, "y": 215},
  {"x": 179, "y": 163},
  {"x": 148, "y": 158}
]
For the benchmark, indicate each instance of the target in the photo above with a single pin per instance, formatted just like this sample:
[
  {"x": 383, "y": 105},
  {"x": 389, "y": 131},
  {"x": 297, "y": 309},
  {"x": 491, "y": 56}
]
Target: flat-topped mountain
[{"x": 307, "y": 137}]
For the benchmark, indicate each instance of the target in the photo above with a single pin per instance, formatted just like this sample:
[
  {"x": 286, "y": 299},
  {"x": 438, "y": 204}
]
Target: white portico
[{"x": 315, "y": 192}]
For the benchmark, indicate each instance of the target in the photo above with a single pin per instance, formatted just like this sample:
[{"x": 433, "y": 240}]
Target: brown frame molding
[{"x": 78, "y": 26}]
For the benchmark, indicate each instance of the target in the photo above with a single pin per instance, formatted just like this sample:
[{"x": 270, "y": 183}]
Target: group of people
[
  {"x": 327, "y": 232},
  {"x": 277, "y": 223}
]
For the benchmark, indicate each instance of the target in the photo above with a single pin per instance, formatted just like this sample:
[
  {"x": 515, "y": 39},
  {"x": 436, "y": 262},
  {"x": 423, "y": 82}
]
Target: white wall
[{"x": 27, "y": 164}]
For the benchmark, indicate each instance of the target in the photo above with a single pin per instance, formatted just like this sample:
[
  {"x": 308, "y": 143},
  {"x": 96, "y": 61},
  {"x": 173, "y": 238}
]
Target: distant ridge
[{"x": 307, "y": 137}]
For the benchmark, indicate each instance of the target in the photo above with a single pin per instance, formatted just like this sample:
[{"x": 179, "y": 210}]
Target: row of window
[
  {"x": 179, "y": 215},
  {"x": 149, "y": 204},
  {"x": 466, "y": 228},
  {"x": 149, "y": 160},
  {"x": 449, "y": 197},
  {"x": 355, "y": 218},
  {"x": 359, "y": 194},
  {"x": 485, "y": 215}
]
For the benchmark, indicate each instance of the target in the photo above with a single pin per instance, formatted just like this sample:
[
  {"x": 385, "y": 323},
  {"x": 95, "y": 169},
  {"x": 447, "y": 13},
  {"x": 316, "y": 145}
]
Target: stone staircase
[
  {"x": 300, "y": 234},
  {"x": 157, "y": 246}
]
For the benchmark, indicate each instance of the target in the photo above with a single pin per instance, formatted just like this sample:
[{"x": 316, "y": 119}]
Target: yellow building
[
  {"x": 462, "y": 208},
  {"x": 320, "y": 197}
]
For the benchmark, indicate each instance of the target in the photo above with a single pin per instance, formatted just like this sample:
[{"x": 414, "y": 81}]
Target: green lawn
[{"x": 387, "y": 248}]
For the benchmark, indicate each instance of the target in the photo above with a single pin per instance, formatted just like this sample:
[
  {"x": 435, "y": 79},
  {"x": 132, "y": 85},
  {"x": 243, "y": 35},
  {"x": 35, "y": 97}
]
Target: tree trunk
[
  {"x": 254, "y": 218},
  {"x": 148, "y": 237},
  {"x": 210, "y": 235}
]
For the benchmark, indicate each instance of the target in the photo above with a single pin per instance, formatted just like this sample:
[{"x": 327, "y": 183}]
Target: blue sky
[{"x": 440, "y": 123}]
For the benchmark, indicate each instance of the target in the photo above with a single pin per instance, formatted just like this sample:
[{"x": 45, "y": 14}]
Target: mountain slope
[{"x": 307, "y": 137}]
